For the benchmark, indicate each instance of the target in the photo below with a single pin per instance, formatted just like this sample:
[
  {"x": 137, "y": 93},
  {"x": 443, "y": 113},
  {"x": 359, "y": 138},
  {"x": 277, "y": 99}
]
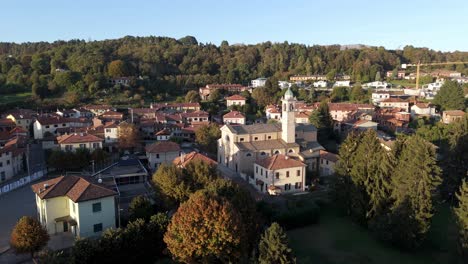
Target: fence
[{"x": 21, "y": 182}]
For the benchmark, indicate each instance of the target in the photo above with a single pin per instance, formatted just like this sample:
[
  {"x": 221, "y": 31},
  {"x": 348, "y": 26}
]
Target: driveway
[{"x": 14, "y": 205}]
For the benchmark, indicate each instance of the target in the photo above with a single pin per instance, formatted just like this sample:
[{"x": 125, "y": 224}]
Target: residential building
[
  {"x": 284, "y": 84},
  {"x": 127, "y": 170},
  {"x": 125, "y": 81},
  {"x": 297, "y": 78},
  {"x": 79, "y": 205},
  {"x": 342, "y": 84},
  {"x": 99, "y": 109},
  {"x": 234, "y": 117},
  {"x": 345, "y": 111},
  {"x": 112, "y": 116},
  {"x": 379, "y": 96},
  {"x": 376, "y": 85},
  {"x": 259, "y": 82},
  {"x": 163, "y": 135},
  {"x": 327, "y": 163},
  {"x": 75, "y": 141},
  {"x": 273, "y": 112},
  {"x": 450, "y": 116},
  {"x": 235, "y": 100},
  {"x": 162, "y": 152},
  {"x": 230, "y": 88},
  {"x": 111, "y": 133},
  {"x": 50, "y": 124},
  {"x": 279, "y": 174},
  {"x": 395, "y": 103},
  {"x": 12, "y": 158},
  {"x": 320, "y": 84},
  {"x": 23, "y": 118},
  {"x": 422, "y": 109},
  {"x": 302, "y": 117},
  {"x": 184, "y": 159}
]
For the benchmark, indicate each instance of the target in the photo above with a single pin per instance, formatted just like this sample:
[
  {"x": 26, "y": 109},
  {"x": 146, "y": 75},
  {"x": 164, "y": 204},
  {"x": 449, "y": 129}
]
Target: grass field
[
  {"x": 13, "y": 98},
  {"x": 338, "y": 240}
]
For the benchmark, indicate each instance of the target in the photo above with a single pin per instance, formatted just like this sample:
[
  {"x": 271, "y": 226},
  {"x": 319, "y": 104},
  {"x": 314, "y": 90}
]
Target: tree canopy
[
  {"x": 450, "y": 96},
  {"x": 28, "y": 236},
  {"x": 274, "y": 248}
]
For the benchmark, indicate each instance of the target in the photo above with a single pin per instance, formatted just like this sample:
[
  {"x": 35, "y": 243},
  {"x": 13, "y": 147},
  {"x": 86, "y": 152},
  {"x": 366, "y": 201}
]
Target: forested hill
[{"x": 167, "y": 65}]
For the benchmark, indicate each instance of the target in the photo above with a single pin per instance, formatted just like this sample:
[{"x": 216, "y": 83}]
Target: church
[{"x": 241, "y": 145}]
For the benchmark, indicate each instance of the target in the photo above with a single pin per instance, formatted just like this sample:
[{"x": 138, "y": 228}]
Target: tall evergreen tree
[
  {"x": 450, "y": 96},
  {"x": 322, "y": 120},
  {"x": 273, "y": 247},
  {"x": 461, "y": 214}
]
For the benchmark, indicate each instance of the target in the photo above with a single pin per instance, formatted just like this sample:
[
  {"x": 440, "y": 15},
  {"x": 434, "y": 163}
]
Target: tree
[
  {"x": 205, "y": 230},
  {"x": 192, "y": 97},
  {"x": 357, "y": 94},
  {"x": 214, "y": 96},
  {"x": 28, "y": 236},
  {"x": 40, "y": 62},
  {"x": 128, "y": 136},
  {"x": 450, "y": 96},
  {"x": 273, "y": 247},
  {"x": 206, "y": 136},
  {"x": 169, "y": 182},
  {"x": 461, "y": 215},
  {"x": 140, "y": 207},
  {"x": 339, "y": 94},
  {"x": 322, "y": 120},
  {"x": 415, "y": 179},
  {"x": 378, "y": 77},
  {"x": 262, "y": 97},
  {"x": 117, "y": 68}
]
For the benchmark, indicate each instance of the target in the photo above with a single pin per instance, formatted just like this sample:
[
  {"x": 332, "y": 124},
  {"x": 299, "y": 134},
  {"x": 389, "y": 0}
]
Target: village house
[
  {"x": 379, "y": 96},
  {"x": 259, "y": 82},
  {"x": 23, "y": 118},
  {"x": 99, "y": 109},
  {"x": 342, "y": 84},
  {"x": 301, "y": 78},
  {"x": 112, "y": 116},
  {"x": 195, "y": 117},
  {"x": 50, "y": 124},
  {"x": 320, "y": 84},
  {"x": 235, "y": 100},
  {"x": 302, "y": 117},
  {"x": 77, "y": 205},
  {"x": 273, "y": 112},
  {"x": 393, "y": 119},
  {"x": 162, "y": 152},
  {"x": 345, "y": 111},
  {"x": 125, "y": 81},
  {"x": 376, "y": 85},
  {"x": 395, "y": 103},
  {"x": 450, "y": 116},
  {"x": 75, "y": 141},
  {"x": 163, "y": 135},
  {"x": 278, "y": 174},
  {"x": 229, "y": 88},
  {"x": 422, "y": 109},
  {"x": 12, "y": 157},
  {"x": 327, "y": 163},
  {"x": 111, "y": 133},
  {"x": 234, "y": 117}
]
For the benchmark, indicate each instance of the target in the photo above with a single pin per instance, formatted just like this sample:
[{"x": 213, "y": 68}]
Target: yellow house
[
  {"x": 75, "y": 204},
  {"x": 76, "y": 141}
]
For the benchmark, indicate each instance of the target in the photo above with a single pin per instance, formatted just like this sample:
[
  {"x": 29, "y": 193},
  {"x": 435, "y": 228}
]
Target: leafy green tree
[
  {"x": 450, "y": 96},
  {"x": 192, "y": 97},
  {"x": 461, "y": 214},
  {"x": 205, "y": 230},
  {"x": 378, "y": 76},
  {"x": 169, "y": 181},
  {"x": 339, "y": 94},
  {"x": 28, "y": 236},
  {"x": 118, "y": 68},
  {"x": 215, "y": 95},
  {"x": 40, "y": 62},
  {"x": 357, "y": 94},
  {"x": 140, "y": 207},
  {"x": 322, "y": 120},
  {"x": 274, "y": 248},
  {"x": 206, "y": 136},
  {"x": 262, "y": 97}
]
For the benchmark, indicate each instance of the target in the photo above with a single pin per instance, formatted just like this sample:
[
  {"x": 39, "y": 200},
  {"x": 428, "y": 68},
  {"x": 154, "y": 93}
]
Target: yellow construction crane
[{"x": 419, "y": 64}]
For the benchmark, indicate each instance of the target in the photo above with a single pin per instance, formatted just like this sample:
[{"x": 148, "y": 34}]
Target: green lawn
[
  {"x": 12, "y": 98},
  {"x": 338, "y": 240}
]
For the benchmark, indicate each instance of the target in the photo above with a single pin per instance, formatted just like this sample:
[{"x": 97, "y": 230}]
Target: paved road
[{"x": 13, "y": 205}]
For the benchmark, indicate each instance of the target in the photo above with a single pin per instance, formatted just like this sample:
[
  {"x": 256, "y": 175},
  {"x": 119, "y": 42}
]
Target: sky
[{"x": 436, "y": 24}]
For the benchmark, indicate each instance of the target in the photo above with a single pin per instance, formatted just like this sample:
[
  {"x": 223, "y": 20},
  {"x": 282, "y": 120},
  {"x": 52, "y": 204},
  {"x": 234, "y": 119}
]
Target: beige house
[
  {"x": 450, "y": 116},
  {"x": 395, "y": 103},
  {"x": 422, "y": 109},
  {"x": 234, "y": 117},
  {"x": 162, "y": 152},
  {"x": 75, "y": 204},
  {"x": 235, "y": 100},
  {"x": 279, "y": 174},
  {"x": 345, "y": 111},
  {"x": 75, "y": 141},
  {"x": 327, "y": 163}
]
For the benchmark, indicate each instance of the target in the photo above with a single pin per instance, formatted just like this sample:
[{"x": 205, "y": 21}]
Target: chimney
[{"x": 286, "y": 157}]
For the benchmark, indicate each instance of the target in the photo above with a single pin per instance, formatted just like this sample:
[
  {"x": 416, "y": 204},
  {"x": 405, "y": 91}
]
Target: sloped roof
[
  {"x": 163, "y": 146},
  {"x": 255, "y": 128},
  {"x": 77, "y": 188},
  {"x": 235, "y": 97},
  {"x": 279, "y": 161},
  {"x": 454, "y": 112},
  {"x": 193, "y": 156},
  {"x": 78, "y": 138},
  {"x": 328, "y": 156},
  {"x": 234, "y": 114}
]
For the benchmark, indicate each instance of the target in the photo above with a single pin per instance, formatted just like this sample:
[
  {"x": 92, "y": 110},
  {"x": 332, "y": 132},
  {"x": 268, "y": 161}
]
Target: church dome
[{"x": 289, "y": 94}]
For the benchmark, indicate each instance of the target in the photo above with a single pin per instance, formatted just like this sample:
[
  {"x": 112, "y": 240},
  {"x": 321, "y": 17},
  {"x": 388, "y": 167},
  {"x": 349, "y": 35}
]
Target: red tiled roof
[
  {"x": 454, "y": 113},
  {"x": 182, "y": 161},
  {"x": 164, "y": 146},
  {"x": 328, "y": 156},
  {"x": 21, "y": 113},
  {"x": 112, "y": 113},
  {"x": 348, "y": 106},
  {"x": 77, "y": 138},
  {"x": 234, "y": 114},
  {"x": 78, "y": 189},
  {"x": 164, "y": 132},
  {"x": 394, "y": 100},
  {"x": 423, "y": 105},
  {"x": 235, "y": 97},
  {"x": 279, "y": 161}
]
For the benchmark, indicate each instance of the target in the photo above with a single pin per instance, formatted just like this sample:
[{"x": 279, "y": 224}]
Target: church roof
[
  {"x": 289, "y": 94},
  {"x": 265, "y": 145},
  {"x": 254, "y": 129}
]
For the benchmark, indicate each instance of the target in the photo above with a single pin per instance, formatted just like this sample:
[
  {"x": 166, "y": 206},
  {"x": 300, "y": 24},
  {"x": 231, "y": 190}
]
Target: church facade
[{"x": 241, "y": 145}]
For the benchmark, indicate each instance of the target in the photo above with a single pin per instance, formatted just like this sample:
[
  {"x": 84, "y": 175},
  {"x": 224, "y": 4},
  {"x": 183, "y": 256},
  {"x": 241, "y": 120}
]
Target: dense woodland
[{"x": 163, "y": 67}]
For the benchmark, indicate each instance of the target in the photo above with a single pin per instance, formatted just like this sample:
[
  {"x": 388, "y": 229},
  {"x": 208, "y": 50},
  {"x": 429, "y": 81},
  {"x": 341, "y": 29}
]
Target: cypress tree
[
  {"x": 273, "y": 247},
  {"x": 461, "y": 214}
]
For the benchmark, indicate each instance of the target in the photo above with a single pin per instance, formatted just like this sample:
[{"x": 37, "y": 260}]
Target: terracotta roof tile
[
  {"x": 235, "y": 97},
  {"x": 78, "y": 138},
  {"x": 234, "y": 114},
  {"x": 279, "y": 161},
  {"x": 328, "y": 156},
  {"x": 163, "y": 146},
  {"x": 454, "y": 112},
  {"x": 182, "y": 161}
]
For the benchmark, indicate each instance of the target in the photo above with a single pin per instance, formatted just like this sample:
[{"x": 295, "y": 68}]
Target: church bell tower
[{"x": 288, "y": 124}]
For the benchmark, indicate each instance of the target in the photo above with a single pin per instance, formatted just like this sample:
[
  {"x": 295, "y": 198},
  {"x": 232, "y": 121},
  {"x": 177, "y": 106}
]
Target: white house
[
  {"x": 273, "y": 112},
  {"x": 75, "y": 141},
  {"x": 379, "y": 96},
  {"x": 162, "y": 152},
  {"x": 75, "y": 204},
  {"x": 435, "y": 86},
  {"x": 50, "y": 124},
  {"x": 235, "y": 100},
  {"x": 234, "y": 117},
  {"x": 279, "y": 174},
  {"x": 320, "y": 84},
  {"x": 342, "y": 84},
  {"x": 284, "y": 84},
  {"x": 376, "y": 84},
  {"x": 259, "y": 82},
  {"x": 422, "y": 109},
  {"x": 395, "y": 103},
  {"x": 111, "y": 133},
  {"x": 163, "y": 135}
]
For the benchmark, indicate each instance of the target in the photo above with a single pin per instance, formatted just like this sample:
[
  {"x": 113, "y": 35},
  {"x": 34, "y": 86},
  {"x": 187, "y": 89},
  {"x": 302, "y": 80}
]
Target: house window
[
  {"x": 321, "y": 161},
  {"x": 55, "y": 125},
  {"x": 256, "y": 169},
  {"x": 291, "y": 151},
  {"x": 64, "y": 125},
  {"x": 68, "y": 147},
  {"x": 269, "y": 137},
  {"x": 277, "y": 152},
  {"x": 95, "y": 145},
  {"x": 108, "y": 130},
  {"x": 2, "y": 175},
  {"x": 82, "y": 145},
  {"x": 263, "y": 153},
  {"x": 248, "y": 155},
  {"x": 8, "y": 162},
  {"x": 327, "y": 162},
  {"x": 97, "y": 207},
  {"x": 46, "y": 126},
  {"x": 97, "y": 228},
  {"x": 298, "y": 173},
  {"x": 1, "y": 164},
  {"x": 287, "y": 174},
  {"x": 157, "y": 156},
  {"x": 277, "y": 175},
  {"x": 255, "y": 138},
  {"x": 287, "y": 186},
  {"x": 241, "y": 139},
  {"x": 261, "y": 172},
  {"x": 298, "y": 185}
]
